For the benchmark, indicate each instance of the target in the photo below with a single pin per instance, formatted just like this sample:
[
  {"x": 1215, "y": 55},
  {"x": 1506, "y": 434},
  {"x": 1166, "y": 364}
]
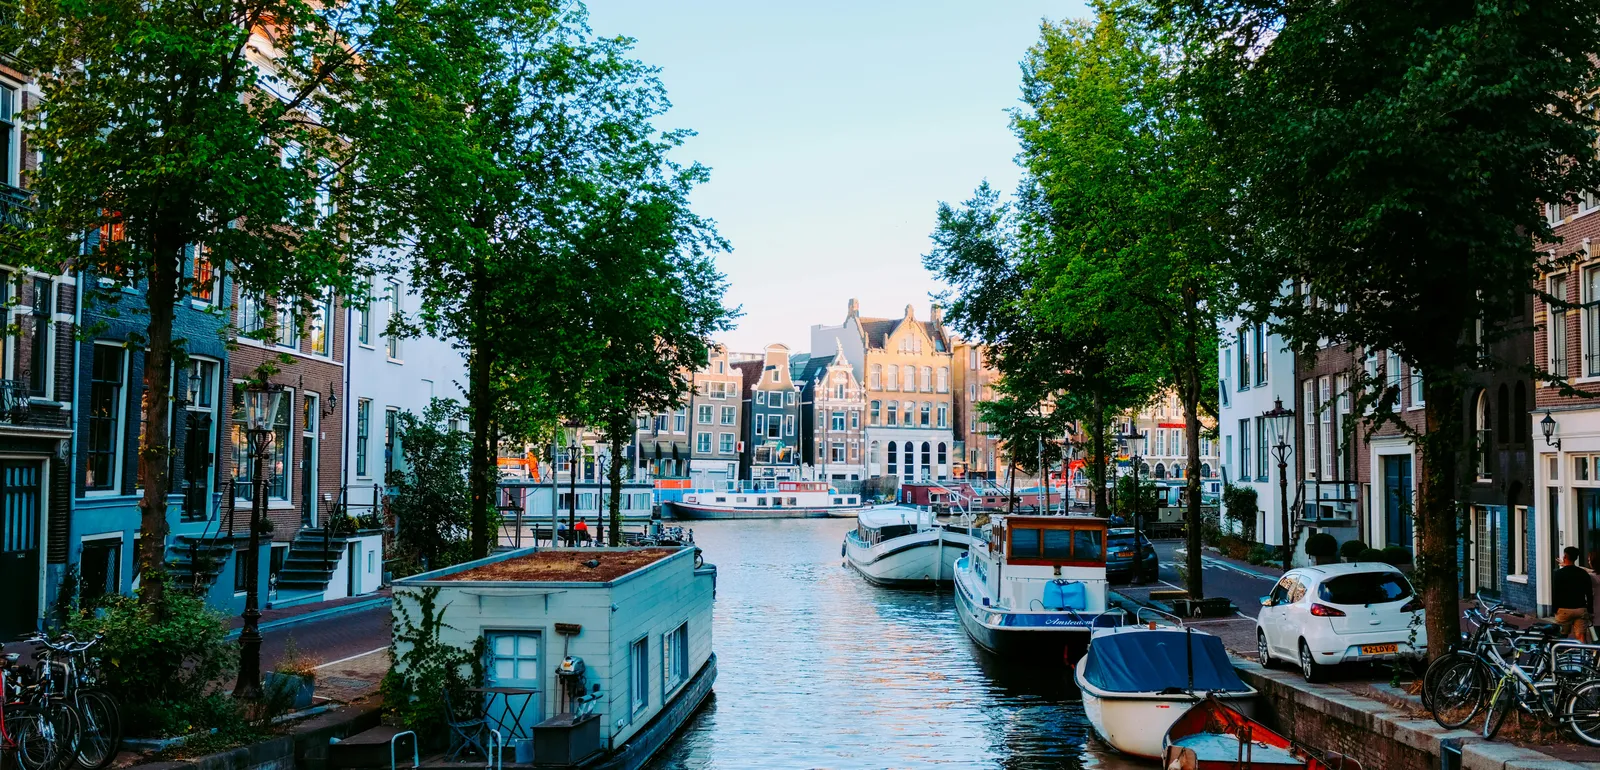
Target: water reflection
[{"x": 818, "y": 668}]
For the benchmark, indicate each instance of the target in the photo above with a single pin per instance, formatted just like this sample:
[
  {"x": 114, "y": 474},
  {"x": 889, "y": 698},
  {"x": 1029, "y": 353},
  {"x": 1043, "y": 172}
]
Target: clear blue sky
[{"x": 833, "y": 129}]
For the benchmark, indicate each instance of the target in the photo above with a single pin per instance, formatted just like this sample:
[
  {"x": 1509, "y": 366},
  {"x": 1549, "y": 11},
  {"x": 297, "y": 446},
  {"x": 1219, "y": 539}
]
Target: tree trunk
[
  {"x": 615, "y": 479},
  {"x": 1011, "y": 498},
  {"x": 1189, "y": 368},
  {"x": 1437, "y": 570},
  {"x": 481, "y": 396},
  {"x": 1098, "y": 444},
  {"x": 161, "y": 291}
]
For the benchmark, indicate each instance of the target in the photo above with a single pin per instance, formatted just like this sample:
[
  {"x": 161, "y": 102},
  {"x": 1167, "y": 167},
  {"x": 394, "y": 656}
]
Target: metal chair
[{"x": 464, "y": 733}]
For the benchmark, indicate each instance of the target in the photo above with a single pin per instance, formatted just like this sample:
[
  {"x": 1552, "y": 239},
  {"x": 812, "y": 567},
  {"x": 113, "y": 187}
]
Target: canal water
[{"x": 819, "y": 669}]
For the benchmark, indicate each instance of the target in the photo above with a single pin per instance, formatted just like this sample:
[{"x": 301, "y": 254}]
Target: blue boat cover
[
  {"x": 1155, "y": 661},
  {"x": 1064, "y": 595}
]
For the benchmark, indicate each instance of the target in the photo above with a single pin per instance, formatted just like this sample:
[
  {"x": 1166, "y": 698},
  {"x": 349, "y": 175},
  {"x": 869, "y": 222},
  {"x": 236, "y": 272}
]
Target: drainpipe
[{"x": 72, "y": 420}]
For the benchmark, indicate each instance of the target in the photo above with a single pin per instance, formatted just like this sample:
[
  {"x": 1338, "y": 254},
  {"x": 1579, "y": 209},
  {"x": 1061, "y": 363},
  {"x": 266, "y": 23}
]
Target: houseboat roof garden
[{"x": 565, "y": 566}]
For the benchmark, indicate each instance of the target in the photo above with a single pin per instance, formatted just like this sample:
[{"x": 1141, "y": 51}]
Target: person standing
[{"x": 1573, "y": 596}]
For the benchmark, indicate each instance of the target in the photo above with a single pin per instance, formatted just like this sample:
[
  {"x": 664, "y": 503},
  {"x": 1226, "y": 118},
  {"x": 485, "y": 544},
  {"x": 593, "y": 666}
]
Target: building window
[
  {"x": 872, "y": 453},
  {"x": 204, "y": 276},
  {"x": 1591, "y": 322},
  {"x": 364, "y": 319},
  {"x": 702, "y": 443},
  {"x": 877, "y": 412},
  {"x": 1515, "y": 547},
  {"x": 875, "y": 377},
  {"x": 251, "y": 318},
  {"x": 943, "y": 384},
  {"x": 38, "y": 332},
  {"x": 107, "y": 376},
  {"x": 322, "y": 326},
  {"x": 100, "y": 565},
  {"x": 893, "y": 414},
  {"x": 908, "y": 379},
  {"x": 288, "y": 326},
  {"x": 639, "y": 682},
  {"x": 244, "y": 464},
  {"x": 10, "y": 149},
  {"x": 198, "y": 459},
  {"x": 392, "y": 339},
  {"x": 704, "y": 414},
  {"x": 1244, "y": 359},
  {"x": 893, "y": 383},
  {"x": 1484, "y": 436},
  {"x": 1325, "y": 418},
  {"x": 1261, "y": 354},
  {"x": 788, "y": 425},
  {"x": 1308, "y": 414},
  {"x": 729, "y": 415},
  {"x": 837, "y": 420},
  {"x": 1261, "y": 471},
  {"x": 944, "y": 415},
  {"x": 761, "y": 424},
  {"x": 927, "y": 379},
  {"x": 1417, "y": 398},
  {"x": 943, "y": 453},
  {"x": 726, "y": 440},
  {"x": 1558, "y": 327},
  {"x": 855, "y": 419},
  {"x": 391, "y": 439},
  {"x": 893, "y": 456},
  {"x": 836, "y": 452},
  {"x": 363, "y": 434},
  {"x": 675, "y": 657},
  {"x": 1245, "y": 467}
]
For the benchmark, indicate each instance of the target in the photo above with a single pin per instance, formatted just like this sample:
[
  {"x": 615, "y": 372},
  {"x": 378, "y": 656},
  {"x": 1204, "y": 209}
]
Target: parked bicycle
[
  {"x": 75, "y": 678},
  {"x": 35, "y": 732},
  {"x": 1530, "y": 669}
]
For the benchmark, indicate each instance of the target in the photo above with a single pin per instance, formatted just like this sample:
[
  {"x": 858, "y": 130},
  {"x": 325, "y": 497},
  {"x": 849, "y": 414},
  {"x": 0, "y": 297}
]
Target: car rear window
[{"x": 1365, "y": 588}]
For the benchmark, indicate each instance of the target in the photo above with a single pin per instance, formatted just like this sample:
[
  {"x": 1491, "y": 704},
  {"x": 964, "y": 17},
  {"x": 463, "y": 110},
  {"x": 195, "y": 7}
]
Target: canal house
[{"x": 605, "y": 652}]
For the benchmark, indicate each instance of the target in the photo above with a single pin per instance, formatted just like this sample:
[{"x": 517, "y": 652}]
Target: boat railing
[{"x": 1156, "y": 617}]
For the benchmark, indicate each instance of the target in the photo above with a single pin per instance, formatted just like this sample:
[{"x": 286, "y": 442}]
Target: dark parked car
[{"x": 1120, "y": 556}]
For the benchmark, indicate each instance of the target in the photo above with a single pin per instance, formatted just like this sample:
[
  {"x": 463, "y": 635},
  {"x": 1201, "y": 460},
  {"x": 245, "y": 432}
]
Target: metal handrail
[
  {"x": 1138, "y": 616},
  {"x": 416, "y": 756}
]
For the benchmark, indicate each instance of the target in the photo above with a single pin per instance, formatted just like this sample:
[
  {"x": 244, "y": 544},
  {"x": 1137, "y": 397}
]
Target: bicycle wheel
[
  {"x": 1582, "y": 714},
  {"x": 68, "y": 726},
  {"x": 100, "y": 729},
  {"x": 1430, "y": 676},
  {"x": 1457, "y": 691},
  {"x": 37, "y": 738},
  {"x": 1500, "y": 704}
]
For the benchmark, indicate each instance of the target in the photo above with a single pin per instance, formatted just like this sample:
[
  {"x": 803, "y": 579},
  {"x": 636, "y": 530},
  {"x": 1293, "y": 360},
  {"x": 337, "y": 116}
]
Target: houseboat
[
  {"x": 1035, "y": 585},
  {"x": 788, "y": 500},
  {"x": 904, "y": 547},
  {"x": 597, "y": 656}
]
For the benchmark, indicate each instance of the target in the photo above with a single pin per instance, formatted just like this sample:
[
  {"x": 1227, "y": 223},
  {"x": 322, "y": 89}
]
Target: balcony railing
[
  {"x": 14, "y": 403},
  {"x": 15, "y": 204}
]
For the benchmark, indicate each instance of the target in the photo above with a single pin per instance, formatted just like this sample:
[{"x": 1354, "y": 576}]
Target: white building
[
  {"x": 1256, "y": 370},
  {"x": 387, "y": 376}
]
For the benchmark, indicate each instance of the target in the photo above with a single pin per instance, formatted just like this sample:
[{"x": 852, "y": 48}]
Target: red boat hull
[{"x": 1212, "y": 736}]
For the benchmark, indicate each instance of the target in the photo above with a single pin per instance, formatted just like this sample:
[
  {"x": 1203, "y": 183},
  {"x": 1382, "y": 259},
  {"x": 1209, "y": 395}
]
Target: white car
[{"x": 1340, "y": 613}]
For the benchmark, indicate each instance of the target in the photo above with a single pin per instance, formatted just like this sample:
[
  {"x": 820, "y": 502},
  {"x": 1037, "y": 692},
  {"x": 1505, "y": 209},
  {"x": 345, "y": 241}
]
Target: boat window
[
  {"x": 1086, "y": 545},
  {"x": 742, "y": 500},
  {"x": 1025, "y": 542},
  {"x": 838, "y": 501},
  {"x": 792, "y": 501},
  {"x": 852, "y": 500},
  {"x": 1058, "y": 544},
  {"x": 722, "y": 499},
  {"x": 761, "y": 501}
]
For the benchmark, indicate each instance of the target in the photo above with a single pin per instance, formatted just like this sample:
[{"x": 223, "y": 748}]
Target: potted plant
[{"x": 293, "y": 680}]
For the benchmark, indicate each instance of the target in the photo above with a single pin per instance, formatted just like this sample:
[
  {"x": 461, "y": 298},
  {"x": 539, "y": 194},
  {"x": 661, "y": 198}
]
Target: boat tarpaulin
[{"x": 1156, "y": 661}]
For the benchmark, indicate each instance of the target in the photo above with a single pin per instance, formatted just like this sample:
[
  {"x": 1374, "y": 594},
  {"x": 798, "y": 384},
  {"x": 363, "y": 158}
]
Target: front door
[
  {"x": 353, "y": 559},
  {"x": 514, "y": 663},
  {"x": 308, "y": 461},
  {"x": 1397, "y": 500},
  {"x": 21, "y": 501},
  {"x": 1589, "y": 526}
]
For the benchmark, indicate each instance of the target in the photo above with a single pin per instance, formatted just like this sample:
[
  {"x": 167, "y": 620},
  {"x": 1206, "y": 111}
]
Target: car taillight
[
  {"x": 1324, "y": 611},
  {"x": 1412, "y": 606}
]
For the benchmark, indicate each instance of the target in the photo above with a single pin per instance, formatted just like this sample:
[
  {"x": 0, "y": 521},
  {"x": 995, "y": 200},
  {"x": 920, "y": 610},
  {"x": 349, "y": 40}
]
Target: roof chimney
[
  {"x": 910, "y": 313},
  {"x": 938, "y": 316},
  {"x": 853, "y": 309}
]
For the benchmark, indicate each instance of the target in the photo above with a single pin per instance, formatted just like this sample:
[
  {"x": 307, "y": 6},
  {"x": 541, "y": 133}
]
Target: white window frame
[
  {"x": 119, "y": 440},
  {"x": 674, "y": 659},
  {"x": 703, "y": 437},
  {"x": 1556, "y": 329},
  {"x": 10, "y": 97},
  {"x": 726, "y": 444},
  {"x": 639, "y": 676}
]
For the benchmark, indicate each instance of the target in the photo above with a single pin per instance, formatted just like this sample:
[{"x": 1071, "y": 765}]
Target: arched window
[
  {"x": 1485, "y": 439},
  {"x": 894, "y": 412},
  {"x": 1503, "y": 403},
  {"x": 1520, "y": 417},
  {"x": 944, "y": 379},
  {"x": 892, "y": 456},
  {"x": 927, "y": 454},
  {"x": 1161, "y": 470},
  {"x": 1177, "y": 470},
  {"x": 875, "y": 379},
  {"x": 911, "y": 459},
  {"x": 1205, "y": 470},
  {"x": 942, "y": 456},
  {"x": 908, "y": 381},
  {"x": 927, "y": 379},
  {"x": 894, "y": 377},
  {"x": 872, "y": 453},
  {"x": 877, "y": 412}
]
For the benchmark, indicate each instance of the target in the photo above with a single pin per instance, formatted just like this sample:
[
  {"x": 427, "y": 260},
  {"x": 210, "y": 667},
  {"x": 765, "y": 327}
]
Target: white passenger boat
[
  {"x": 905, "y": 547},
  {"x": 1138, "y": 679},
  {"x": 1035, "y": 585},
  {"x": 788, "y": 500}
]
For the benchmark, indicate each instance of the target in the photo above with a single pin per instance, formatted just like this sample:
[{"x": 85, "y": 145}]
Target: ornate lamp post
[
  {"x": 1279, "y": 421},
  {"x": 1547, "y": 426},
  {"x": 1132, "y": 438},
  {"x": 262, "y": 402}
]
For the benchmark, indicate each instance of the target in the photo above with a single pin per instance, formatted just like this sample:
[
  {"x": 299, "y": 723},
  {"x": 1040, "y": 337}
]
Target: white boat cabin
[
  {"x": 788, "y": 494},
  {"x": 1045, "y": 563}
]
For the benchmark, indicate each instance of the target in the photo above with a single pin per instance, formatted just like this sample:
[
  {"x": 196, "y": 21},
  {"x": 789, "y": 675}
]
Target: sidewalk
[
  {"x": 277, "y": 618},
  {"x": 1208, "y": 553}
]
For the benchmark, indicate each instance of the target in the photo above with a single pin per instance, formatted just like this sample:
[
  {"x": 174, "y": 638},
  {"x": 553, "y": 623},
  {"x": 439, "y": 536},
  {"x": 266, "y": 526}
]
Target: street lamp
[
  {"x": 1135, "y": 435},
  {"x": 263, "y": 400},
  {"x": 1548, "y": 427},
  {"x": 1279, "y": 421}
]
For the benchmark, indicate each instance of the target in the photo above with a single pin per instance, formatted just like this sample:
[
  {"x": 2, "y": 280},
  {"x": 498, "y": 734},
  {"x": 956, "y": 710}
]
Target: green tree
[
  {"x": 1395, "y": 155},
  {"x": 517, "y": 154},
  {"x": 1130, "y": 171},
  {"x": 431, "y": 501},
  {"x": 162, "y": 128}
]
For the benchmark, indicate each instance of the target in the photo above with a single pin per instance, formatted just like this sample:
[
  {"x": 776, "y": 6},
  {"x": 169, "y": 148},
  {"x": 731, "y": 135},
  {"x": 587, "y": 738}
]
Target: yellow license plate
[{"x": 1378, "y": 649}]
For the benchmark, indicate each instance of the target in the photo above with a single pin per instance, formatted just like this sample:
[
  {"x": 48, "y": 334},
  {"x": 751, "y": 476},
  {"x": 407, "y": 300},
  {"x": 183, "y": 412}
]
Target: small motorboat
[
  {"x": 901, "y": 546},
  {"x": 1212, "y": 735},
  {"x": 1137, "y": 680}
]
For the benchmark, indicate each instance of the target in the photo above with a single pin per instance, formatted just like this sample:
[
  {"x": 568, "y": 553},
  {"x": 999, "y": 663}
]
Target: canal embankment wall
[{"x": 1382, "y": 735}]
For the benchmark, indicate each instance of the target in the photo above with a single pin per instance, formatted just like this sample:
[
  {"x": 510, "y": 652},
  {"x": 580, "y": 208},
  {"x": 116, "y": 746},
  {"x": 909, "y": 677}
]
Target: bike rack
[
  {"x": 497, "y": 753},
  {"x": 416, "y": 756}
]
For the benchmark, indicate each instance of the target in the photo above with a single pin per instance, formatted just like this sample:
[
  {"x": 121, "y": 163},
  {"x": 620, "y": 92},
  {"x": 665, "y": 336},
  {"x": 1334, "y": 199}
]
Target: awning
[{"x": 1156, "y": 661}]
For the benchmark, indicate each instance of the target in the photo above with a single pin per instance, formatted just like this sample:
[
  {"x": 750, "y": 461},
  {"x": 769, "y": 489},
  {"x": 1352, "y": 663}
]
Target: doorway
[
  {"x": 1397, "y": 500},
  {"x": 21, "y": 503},
  {"x": 352, "y": 557},
  {"x": 1588, "y": 525},
  {"x": 308, "y": 461}
]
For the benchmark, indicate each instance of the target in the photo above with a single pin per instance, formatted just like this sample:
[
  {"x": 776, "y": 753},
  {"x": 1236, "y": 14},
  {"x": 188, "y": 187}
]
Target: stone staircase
[
  {"x": 199, "y": 558},
  {"x": 308, "y": 567}
]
